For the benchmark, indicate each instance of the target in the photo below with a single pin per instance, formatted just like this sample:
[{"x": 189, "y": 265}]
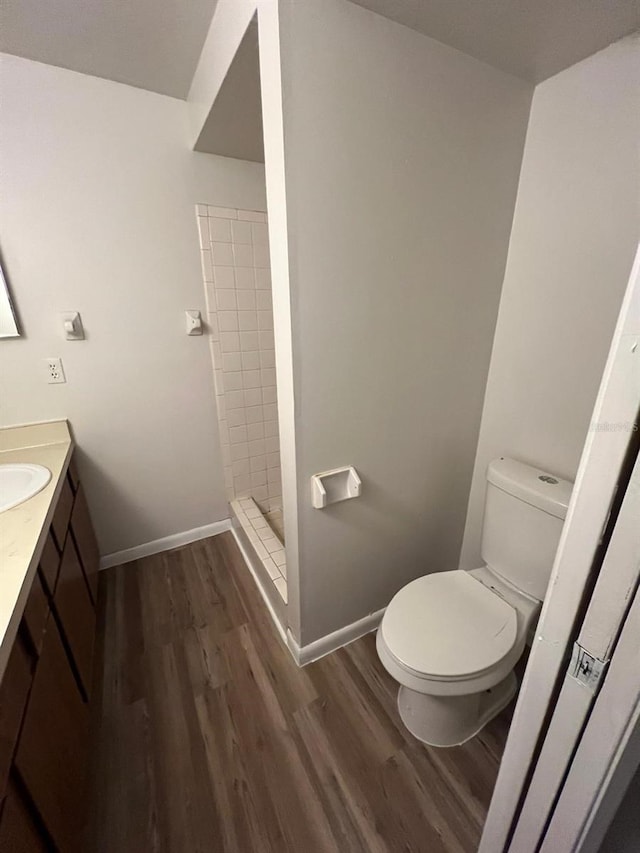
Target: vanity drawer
[
  {"x": 85, "y": 540},
  {"x": 19, "y": 832},
  {"x": 76, "y": 614},
  {"x": 36, "y": 612},
  {"x": 61, "y": 517},
  {"x": 51, "y": 756},
  {"x": 14, "y": 691},
  {"x": 74, "y": 478},
  {"x": 50, "y": 564}
]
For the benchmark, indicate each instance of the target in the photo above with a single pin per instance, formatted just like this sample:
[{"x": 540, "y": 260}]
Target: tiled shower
[{"x": 237, "y": 280}]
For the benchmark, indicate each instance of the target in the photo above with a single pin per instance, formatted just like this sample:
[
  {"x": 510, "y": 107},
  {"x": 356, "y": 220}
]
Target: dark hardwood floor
[{"x": 207, "y": 737}]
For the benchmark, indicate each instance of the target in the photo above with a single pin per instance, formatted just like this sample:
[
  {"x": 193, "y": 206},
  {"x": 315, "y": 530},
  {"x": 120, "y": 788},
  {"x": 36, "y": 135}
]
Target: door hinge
[{"x": 586, "y": 668}]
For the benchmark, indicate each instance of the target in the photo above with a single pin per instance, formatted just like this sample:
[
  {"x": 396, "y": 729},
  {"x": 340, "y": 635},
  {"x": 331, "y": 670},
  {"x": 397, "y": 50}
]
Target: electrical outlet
[{"x": 55, "y": 371}]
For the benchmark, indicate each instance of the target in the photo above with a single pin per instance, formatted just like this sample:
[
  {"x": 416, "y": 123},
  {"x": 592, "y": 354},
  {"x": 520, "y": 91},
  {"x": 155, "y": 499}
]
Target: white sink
[{"x": 20, "y": 481}]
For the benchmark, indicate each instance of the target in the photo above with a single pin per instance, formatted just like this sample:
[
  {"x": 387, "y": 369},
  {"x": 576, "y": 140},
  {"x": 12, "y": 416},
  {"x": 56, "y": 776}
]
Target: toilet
[{"x": 452, "y": 639}]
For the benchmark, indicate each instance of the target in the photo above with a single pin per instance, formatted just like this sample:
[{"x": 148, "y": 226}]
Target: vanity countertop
[{"x": 23, "y": 529}]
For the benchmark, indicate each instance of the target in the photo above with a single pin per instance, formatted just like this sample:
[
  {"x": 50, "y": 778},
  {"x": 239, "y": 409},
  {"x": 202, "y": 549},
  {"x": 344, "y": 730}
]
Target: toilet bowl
[{"x": 452, "y": 639}]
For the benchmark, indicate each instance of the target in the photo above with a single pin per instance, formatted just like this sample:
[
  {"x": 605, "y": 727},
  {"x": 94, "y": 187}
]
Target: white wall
[
  {"x": 575, "y": 229},
  {"x": 226, "y": 32},
  {"x": 402, "y": 160},
  {"x": 97, "y": 196}
]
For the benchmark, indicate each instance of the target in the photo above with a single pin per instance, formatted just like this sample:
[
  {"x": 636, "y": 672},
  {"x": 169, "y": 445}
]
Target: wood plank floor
[{"x": 207, "y": 737}]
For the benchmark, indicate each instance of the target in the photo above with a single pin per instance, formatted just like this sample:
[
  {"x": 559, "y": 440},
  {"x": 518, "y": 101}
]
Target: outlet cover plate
[{"x": 55, "y": 371}]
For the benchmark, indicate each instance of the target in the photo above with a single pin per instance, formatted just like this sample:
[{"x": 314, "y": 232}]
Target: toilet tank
[{"x": 524, "y": 512}]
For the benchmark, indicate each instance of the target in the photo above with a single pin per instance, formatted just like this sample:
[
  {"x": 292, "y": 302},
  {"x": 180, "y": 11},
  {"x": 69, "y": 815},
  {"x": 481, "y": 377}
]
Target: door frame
[
  {"x": 608, "y": 753},
  {"x": 577, "y": 560},
  {"x": 594, "y": 704}
]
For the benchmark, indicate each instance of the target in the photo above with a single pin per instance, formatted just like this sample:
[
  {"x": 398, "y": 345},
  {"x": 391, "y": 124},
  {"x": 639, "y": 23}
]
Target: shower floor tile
[
  {"x": 275, "y": 520},
  {"x": 264, "y": 531}
]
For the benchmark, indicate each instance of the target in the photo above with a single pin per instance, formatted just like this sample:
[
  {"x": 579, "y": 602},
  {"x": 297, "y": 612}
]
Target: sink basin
[{"x": 20, "y": 481}]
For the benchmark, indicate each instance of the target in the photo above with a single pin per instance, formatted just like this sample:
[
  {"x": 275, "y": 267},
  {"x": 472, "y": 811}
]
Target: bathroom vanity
[{"x": 48, "y": 593}]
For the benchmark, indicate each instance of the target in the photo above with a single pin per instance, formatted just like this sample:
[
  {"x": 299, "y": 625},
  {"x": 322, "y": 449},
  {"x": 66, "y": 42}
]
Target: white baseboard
[
  {"x": 342, "y": 637},
  {"x": 167, "y": 543},
  {"x": 265, "y": 597}
]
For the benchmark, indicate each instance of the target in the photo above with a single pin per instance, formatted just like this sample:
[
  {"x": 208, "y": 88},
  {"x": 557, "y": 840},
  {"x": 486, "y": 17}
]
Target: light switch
[{"x": 72, "y": 325}]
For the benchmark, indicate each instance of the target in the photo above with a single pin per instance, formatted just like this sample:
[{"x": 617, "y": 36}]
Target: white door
[
  {"x": 608, "y": 753},
  {"x": 591, "y": 588},
  {"x": 599, "y": 699}
]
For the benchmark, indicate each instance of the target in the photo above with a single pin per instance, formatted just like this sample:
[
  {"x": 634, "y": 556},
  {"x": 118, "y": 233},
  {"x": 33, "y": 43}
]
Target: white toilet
[{"x": 452, "y": 639}]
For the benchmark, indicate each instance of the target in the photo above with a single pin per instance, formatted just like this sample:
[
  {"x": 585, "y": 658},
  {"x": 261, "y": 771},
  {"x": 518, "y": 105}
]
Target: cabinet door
[
  {"x": 60, "y": 523},
  {"x": 51, "y": 756},
  {"x": 85, "y": 540},
  {"x": 50, "y": 564},
  {"x": 74, "y": 477},
  {"x": 36, "y": 612},
  {"x": 14, "y": 691},
  {"x": 75, "y": 612},
  {"x": 19, "y": 832}
]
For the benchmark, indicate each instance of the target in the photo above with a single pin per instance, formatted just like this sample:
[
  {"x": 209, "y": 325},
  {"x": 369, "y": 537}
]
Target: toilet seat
[{"x": 448, "y": 626}]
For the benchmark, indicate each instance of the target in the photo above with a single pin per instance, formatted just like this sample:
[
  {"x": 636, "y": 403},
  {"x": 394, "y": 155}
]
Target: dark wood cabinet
[
  {"x": 74, "y": 476},
  {"x": 19, "y": 830},
  {"x": 44, "y": 693},
  {"x": 51, "y": 756},
  {"x": 50, "y": 564},
  {"x": 36, "y": 612},
  {"x": 14, "y": 692},
  {"x": 85, "y": 540},
  {"x": 75, "y": 612},
  {"x": 60, "y": 523}
]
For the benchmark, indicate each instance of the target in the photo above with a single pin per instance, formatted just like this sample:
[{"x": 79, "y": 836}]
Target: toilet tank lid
[{"x": 532, "y": 485}]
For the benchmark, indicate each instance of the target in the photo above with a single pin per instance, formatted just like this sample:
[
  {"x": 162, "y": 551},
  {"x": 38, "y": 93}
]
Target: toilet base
[{"x": 452, "y": 720}]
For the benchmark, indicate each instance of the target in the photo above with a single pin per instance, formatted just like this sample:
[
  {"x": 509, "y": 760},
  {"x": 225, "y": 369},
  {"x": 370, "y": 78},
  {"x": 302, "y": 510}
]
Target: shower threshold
[{"x": 264, "y": 532}]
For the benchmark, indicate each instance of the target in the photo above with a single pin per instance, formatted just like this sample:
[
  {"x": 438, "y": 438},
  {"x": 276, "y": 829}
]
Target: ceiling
[
  {"x": 151, "y": 44},
  {"x": 533, "y": 39},
  {"x": 155, "y": 44}
]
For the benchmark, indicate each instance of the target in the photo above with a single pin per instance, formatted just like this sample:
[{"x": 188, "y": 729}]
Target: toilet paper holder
[{"x": 339, "y": 484}]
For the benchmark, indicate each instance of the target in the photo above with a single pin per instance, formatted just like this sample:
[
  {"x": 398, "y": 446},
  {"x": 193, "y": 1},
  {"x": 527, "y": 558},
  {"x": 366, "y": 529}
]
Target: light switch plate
[{"x": 72, "y": 326}]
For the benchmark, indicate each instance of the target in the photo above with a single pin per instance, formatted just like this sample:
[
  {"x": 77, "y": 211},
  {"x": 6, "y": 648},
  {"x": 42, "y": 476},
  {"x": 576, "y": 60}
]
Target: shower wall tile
[
  {"x": 245, "y": 300},
  {"x": 245, "y": 278},
  {"x": 252, "y": 215},
  {"x": 253, "y": 396},
  {"x": 219, "y": 229},
  {"x": 250, "y": 360},
  {"x": 222, "y": 254},
  {"x": 222, "y": 212},
  {"x": 241, "y": 232},
  {"x": 259, "y": 234},
  {"x": 263, "y": 279},
  {"x": 263, "y": 300},
  {"x": 261, "y": 256},
  {"x": 243, "y": 255},
  {"x": 235, "y": 264},
  {"x": 226, "y": 299},
  {"x": 224, "y": 277}
]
